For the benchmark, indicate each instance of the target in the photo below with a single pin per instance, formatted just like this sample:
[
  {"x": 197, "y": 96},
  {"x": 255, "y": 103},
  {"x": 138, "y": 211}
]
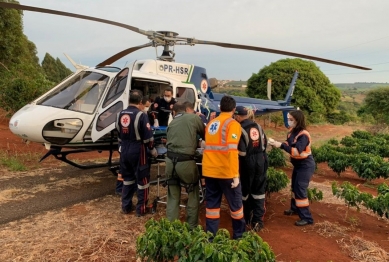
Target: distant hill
[{"x": 359, "y": 86}]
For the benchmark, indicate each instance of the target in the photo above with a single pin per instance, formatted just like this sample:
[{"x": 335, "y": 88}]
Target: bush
[
  {"x": 169, "y": 241},
  {"x": 276, "y": 180},
  {"x": 276, "y": 157}
]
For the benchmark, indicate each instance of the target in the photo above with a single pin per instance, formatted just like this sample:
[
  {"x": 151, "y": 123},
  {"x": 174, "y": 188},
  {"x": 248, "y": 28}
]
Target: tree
[
  {"x": 54, "y": 69},
  {"x": 21, "y": 76},
  {"x": 377, "y": 104},
  {"x": 313, "y": 93}
]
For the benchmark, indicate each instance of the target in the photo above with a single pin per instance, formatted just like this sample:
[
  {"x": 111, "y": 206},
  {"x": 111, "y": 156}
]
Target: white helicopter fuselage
[{"x": 81, "y": 111}]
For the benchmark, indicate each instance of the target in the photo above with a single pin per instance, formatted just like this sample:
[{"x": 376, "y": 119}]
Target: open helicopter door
[{"x": 116, "y": 99}]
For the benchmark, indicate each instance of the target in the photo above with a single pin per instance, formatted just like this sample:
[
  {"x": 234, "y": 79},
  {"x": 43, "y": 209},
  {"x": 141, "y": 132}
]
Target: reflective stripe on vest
[
  {"x": 302, "y": 202},
  {"x": 212, "y": 213},
  {"x": 136, "y": 123},
  {"x": 237, "y": 214},
  {"x": 306, "y": 152},
  {"x": 244, "y": 198},
  {"x": 223, "y": 147}
]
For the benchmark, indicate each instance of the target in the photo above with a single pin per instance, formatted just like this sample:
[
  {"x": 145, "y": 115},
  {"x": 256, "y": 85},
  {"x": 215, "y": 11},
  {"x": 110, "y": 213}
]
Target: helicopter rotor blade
[
  {"x": 91, "y": 18},
  {"x": 275, "y": 51},
  {"x": 123, "y": 53}
]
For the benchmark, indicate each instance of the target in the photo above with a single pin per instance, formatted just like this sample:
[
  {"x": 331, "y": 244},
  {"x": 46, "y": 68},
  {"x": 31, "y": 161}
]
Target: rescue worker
[
  {"x": 252, "y": 168},
  {"x": 298, "y": 145},
  {"x": 181, "y": 168},
  {"x": 220, "y": 168},
  {"x": 163, "y": 107},
  {"x": 189, "y": 108},
  {"x": 136, "y": 137},
  {"x": 143, "y": 106}
]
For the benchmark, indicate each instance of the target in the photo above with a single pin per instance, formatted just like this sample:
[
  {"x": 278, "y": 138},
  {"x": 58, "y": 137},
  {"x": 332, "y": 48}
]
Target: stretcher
[{"x": 161, "y": 198}]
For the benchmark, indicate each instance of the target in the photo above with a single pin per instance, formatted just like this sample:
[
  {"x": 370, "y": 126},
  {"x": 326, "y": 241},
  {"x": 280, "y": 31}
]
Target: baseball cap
[{"x": 241, "y": 110}]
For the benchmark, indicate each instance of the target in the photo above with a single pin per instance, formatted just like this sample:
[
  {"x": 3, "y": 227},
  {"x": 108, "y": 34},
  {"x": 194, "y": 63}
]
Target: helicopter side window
[
  {"x": 109, "y": 116},
  {"x": 184, "y": 94},
  {"x": 117, "y": 87}
]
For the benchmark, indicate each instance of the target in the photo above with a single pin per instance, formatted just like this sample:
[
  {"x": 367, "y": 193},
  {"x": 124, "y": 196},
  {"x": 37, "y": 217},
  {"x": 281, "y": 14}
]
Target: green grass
[{"x": 12, "y": 163}]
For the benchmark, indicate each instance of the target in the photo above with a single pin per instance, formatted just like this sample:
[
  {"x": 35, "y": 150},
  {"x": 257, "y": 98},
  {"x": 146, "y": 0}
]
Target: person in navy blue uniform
[
  {"x": 163, "y": 107},
  {"x": 136, "y": 138},
  {"x": 252, "y": 168},
  {"x": 298, "y": 145}
]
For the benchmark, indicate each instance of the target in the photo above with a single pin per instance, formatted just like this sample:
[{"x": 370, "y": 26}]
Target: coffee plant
[
  {"x": 276, "y": 157},
  {"x": 354, "y": 198},
  {"x": 314, "y": 194},
  {"x": 174, "y": 241},
  {"x": 276, "y": 180}
]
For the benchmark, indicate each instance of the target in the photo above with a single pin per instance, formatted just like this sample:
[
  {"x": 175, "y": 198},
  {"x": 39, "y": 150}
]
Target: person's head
[
  {"x": 296, "y": 120},
  {"x": 251, "y": 114},
  {"x": 189, "y": 108},
  {"x": 178, "y": 108},
  {"x": 168, "y": 94},
  {"x": 227, "y": 104},
  {"x": 136, "y": 97},
  {"x": 240, "y": 113},
  {"x": 145, "y": 104}
]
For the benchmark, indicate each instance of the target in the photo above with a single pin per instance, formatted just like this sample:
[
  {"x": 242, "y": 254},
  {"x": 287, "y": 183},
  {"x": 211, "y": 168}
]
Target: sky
[{"x": 350, "y": 31}]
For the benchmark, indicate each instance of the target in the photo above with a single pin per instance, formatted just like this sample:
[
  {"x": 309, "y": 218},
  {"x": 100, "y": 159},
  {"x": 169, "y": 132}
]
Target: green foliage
[
  {"x": 18, "y": 89},
  {"x": 276, "y": 157},
  {"x": 277, "y": 118},
  {"x": 314, "y": 194},
  {"x": 169, "y": 241},
  {"x": 276, "y": 180},
  {"x": 12, "y": 163},
  {"x": 313, "y": 92},
  {"x": 360, "y": 134},
  {"x": 54, "y": 69},
  {"x": 333, "y": 141},
  {"x": 339, "y": 118},
  {"x": 377, "y": 104},
  {"x": 354, "y": 198}
]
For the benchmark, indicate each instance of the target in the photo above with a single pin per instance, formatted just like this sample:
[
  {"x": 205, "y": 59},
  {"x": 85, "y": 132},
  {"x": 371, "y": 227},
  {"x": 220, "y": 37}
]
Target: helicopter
[{"x": 79, "y": 114}]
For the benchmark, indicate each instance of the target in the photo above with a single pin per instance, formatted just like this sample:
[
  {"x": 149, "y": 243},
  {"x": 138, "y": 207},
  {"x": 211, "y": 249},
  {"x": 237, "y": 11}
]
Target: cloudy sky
[{"x": 350, "y": 31}]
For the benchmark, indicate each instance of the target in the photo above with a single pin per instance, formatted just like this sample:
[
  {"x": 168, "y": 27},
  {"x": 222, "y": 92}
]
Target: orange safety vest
[
  {"x": 294, "y": 153},
  {"x": 220, "y": 157}
]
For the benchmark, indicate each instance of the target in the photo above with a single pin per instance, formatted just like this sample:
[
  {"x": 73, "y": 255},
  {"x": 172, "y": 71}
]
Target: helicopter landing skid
[{"x": 62, "y": 156}]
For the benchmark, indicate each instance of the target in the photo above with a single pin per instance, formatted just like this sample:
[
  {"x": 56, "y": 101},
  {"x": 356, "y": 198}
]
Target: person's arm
[
  {"x": 146, "y": 134},
  {"x": 200, "y": 127},
  {"x": 301, "y": 143},
  {"x": 242, "y": 145}
]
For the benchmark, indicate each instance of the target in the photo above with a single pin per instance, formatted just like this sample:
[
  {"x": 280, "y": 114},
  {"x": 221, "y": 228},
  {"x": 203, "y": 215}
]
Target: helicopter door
[{"x": 116, "y": 100}]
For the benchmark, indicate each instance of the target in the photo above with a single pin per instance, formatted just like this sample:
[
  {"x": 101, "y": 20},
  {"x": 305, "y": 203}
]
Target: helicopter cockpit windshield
[{"x": 80, "y": 93}]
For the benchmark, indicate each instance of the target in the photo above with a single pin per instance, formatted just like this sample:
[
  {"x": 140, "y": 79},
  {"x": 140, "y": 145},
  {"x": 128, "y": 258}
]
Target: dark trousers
[
  {"x": 300, "y": 182},
  {"x": 135, "y": 179},
  {"x": 215, "y": 188},
  {"x": 253, "y": 178}
]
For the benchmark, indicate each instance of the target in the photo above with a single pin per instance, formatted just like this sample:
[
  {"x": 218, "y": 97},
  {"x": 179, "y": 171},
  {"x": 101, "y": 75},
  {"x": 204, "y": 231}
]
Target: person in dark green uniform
[{"x": 181, "y": 169}]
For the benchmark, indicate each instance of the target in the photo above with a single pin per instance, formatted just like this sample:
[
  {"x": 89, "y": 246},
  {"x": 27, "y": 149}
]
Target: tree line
[{"x": 22, "y": 77}]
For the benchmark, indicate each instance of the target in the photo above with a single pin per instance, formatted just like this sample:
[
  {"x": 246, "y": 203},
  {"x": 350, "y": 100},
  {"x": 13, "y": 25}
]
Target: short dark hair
[
  {"x": 188, "y": 104},
  {"x": 169, "y": 89},
  {"x": 298, "y": 115},
  {"x": 145, "y": 99},
  {"x": 179, "y": 107},
  {"x": 227, "y": 104},
  {"x": 136, "y": 96}
]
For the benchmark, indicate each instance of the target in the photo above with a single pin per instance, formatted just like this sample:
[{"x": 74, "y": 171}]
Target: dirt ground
[{"x": 97, "y": 231}]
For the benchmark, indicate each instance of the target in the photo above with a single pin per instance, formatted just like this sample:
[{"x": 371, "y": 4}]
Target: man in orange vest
[{"x": 221, "y": 168}]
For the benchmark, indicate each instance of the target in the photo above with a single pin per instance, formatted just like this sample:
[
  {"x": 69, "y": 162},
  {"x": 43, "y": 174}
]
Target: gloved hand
[
  {"x": 156, "y": 124},
  {"x": 153, "y": 152},
  {"x": 277, "y": 144},
  {"x": 274, "y": 143},
  {"x": 202, "y": 144},
  {"x": 235, "y": 183}
]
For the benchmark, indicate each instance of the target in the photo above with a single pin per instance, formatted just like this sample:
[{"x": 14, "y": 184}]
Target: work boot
[
  {"x": 302, "y": 222},
  {"x": 257, "y": 227},
  {"x": 290, "y": 212}
]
